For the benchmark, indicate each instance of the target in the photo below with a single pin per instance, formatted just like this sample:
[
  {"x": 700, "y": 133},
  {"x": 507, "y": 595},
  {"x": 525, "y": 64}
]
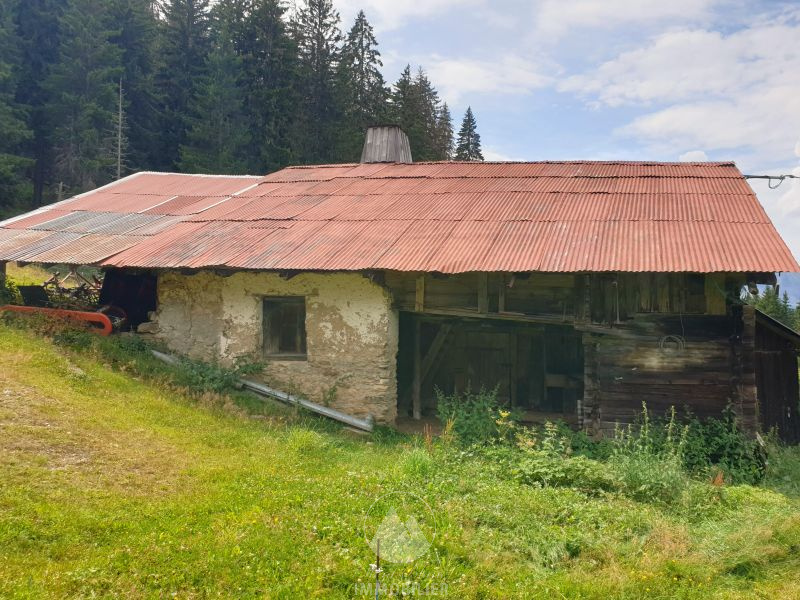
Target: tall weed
[
  {"x": 476, "y": 417},
  {"x": 648, "y": 459}
]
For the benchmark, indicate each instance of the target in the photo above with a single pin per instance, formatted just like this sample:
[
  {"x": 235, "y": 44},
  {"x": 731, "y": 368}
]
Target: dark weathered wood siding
[
  {"x": 706, "y": 366},
  {"x": 681, "y": 340},
  {"x": 777, "y": 380}
]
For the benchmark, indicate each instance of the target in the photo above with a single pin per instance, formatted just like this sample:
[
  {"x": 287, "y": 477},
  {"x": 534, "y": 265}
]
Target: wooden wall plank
[
  {"x": 419, "y": 299},
  {"x": 483, "y": 293},
  {"x": 715, "y": 294}
]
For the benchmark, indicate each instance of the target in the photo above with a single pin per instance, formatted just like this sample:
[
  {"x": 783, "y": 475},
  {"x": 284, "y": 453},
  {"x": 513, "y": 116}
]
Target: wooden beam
[
  {"x": 507, "y": 316},
  {"x": 435, "y": 349},
  {"x": 483, "y": 293},
  {"x": 501, "y": 295},
  {"x": 419, "y": 298},
  {"x": 416, "y": 385},
  {"x": 2, "y": 273}
]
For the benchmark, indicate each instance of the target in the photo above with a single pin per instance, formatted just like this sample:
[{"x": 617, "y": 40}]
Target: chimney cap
[{"x": 386, "y": 143}]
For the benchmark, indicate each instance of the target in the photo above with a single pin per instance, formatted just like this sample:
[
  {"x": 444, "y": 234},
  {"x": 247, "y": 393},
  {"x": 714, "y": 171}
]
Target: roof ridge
[{"x": 175, "y": 173}]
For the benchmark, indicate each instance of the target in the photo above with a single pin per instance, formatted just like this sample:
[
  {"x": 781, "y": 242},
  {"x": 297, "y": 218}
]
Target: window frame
[{"x": 270, "y": 342}]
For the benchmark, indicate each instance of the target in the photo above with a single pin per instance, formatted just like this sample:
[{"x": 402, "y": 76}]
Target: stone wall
[{"x": 351, "y": 328}]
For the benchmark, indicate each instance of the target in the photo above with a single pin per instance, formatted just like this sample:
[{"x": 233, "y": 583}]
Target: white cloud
[
  {"x": 687, "y": 64},
  {"x": 393, "y": 14},
  {"x": 555, "y": 18},
  {"x": 760, "y": 125},
  {"x": 735, "y": 92},
  {"x": 457, "y": 77},
  {"x": 693, "y": 156}
]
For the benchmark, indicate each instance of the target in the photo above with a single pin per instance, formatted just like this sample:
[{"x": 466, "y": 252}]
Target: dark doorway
[
  {"x": 535, "y": 368},
  {"x": 134, "y": 292}
]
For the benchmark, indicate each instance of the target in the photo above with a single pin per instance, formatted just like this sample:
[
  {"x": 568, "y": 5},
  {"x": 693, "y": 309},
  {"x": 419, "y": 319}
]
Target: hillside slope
[{"x": 116, "y": 487}]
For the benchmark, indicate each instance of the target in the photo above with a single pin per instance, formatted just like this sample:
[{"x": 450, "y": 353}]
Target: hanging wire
[{"x": 771, "y": 178}]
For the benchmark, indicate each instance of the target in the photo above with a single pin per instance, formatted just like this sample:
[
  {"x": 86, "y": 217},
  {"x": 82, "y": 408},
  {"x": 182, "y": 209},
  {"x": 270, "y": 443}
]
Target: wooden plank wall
[
  {"x": 599, "y": 297},
  {"x": 624, "y": 320},
  {"x": 637, "y": 363},
  {"x": 555, "y": 295},
  {"x": 777, "y": 381}
]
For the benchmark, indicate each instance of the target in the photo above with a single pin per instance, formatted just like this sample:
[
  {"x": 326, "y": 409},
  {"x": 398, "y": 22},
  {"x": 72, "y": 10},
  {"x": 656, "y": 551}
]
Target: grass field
[
  {"x": 27, "y": 274},
  {"x": 113, "y": 486}
]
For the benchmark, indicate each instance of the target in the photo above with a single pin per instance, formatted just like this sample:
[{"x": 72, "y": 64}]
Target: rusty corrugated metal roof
[{"x": 440, "y": 216}]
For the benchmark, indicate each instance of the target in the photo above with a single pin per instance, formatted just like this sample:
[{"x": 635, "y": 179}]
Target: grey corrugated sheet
[{"x": 386, "y": 144}]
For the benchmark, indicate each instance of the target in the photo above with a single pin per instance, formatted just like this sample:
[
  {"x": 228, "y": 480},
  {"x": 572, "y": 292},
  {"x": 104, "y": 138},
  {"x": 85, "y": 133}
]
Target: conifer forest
[{"x": 93, "y": 90}]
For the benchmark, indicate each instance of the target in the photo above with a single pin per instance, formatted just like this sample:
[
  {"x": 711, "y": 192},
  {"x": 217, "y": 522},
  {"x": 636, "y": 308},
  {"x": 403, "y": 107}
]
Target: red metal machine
[
  {"x": 73, "y": 304},
  {"x": 98, "y": 322}
]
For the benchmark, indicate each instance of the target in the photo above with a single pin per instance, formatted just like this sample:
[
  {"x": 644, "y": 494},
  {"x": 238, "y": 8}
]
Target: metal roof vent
[{"x": 386, "y": 143}]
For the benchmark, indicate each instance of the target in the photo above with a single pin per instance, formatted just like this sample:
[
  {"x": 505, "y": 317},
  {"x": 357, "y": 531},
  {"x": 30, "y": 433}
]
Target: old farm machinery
[{"x": 73, "y": 298}]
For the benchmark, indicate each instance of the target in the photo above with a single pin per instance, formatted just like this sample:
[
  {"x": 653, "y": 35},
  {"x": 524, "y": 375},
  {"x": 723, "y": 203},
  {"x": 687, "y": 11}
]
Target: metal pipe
[{"x": 367, "y": 424}]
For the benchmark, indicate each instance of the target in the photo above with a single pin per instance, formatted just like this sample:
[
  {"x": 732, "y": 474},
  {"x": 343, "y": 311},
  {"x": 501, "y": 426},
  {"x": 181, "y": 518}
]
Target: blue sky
[{"x": 614, "y": 79}]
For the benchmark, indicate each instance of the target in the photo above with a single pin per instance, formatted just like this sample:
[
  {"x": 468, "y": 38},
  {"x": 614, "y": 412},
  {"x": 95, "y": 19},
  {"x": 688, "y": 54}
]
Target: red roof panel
[{"x": 446, "y": 216}]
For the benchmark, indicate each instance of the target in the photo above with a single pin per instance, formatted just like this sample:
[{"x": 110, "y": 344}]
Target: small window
[{"x": 285, "y": 327}]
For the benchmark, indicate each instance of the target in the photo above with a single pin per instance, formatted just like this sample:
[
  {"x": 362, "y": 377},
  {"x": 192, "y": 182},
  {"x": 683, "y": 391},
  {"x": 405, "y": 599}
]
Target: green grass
[{"x": 117, "y": 486}]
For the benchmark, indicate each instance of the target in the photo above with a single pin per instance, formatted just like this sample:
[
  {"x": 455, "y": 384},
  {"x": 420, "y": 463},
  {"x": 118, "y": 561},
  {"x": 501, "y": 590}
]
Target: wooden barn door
[{"x": 777, "y": 383}]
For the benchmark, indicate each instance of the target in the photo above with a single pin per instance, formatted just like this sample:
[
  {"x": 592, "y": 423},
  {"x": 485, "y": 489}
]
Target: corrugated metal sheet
[
  {"x": 87, "y": 249},
  {"x": 34, "y": 218},
  {"x": 103, "y": 201},
  {"x": 27, "y": 251},
  {"x": 447, "y": 217}
]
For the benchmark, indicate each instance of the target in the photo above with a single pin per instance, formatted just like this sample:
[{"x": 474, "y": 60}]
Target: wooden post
[
  {"x": 501, "y": 295},
  {"x": 419, "y": 299},
  {"x": 2, "y": 274},
  {"x": 483, "y": 293},
  {"x": 416, "y": 398}
]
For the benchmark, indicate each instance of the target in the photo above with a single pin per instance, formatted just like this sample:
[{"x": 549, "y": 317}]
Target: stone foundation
[{"x": 351, "y": 328}]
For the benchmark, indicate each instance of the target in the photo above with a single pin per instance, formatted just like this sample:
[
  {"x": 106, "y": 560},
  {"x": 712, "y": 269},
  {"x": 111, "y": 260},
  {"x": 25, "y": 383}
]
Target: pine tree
[
  {"x": 218, "y": 140},
  {"x": 38, "y": 32},
  {"x": 362, "y": 87},
  {"x": 83, "y": 89},
  {"x": 269, "y": 62},
  {"x": 185, "y": 46},
  {"x": 14, "y": 133},
  {"x": 416, "y": 107},
  {"x": 137, "y": 38},
  {"x": 468, "y": 146},
  {"x": 429, "y": 108},
  {"x": 318, "y": 37},
  {"x": 444, "y": 134},
  {"x": 770, "y": 301}
]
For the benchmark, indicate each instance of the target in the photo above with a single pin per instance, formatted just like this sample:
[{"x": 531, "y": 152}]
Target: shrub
[
  {"x": 694, "y": 447},
  {"x": 783, "y": 470},
  {"x": 475, "y": 417},
  {"x": 9, "y": 293},
  {"x": 540, "y": 468},
  {"x": 543, "y": 458},
  {"x": 721, "y": 444},
  {"x": 650, "y": 477}
]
